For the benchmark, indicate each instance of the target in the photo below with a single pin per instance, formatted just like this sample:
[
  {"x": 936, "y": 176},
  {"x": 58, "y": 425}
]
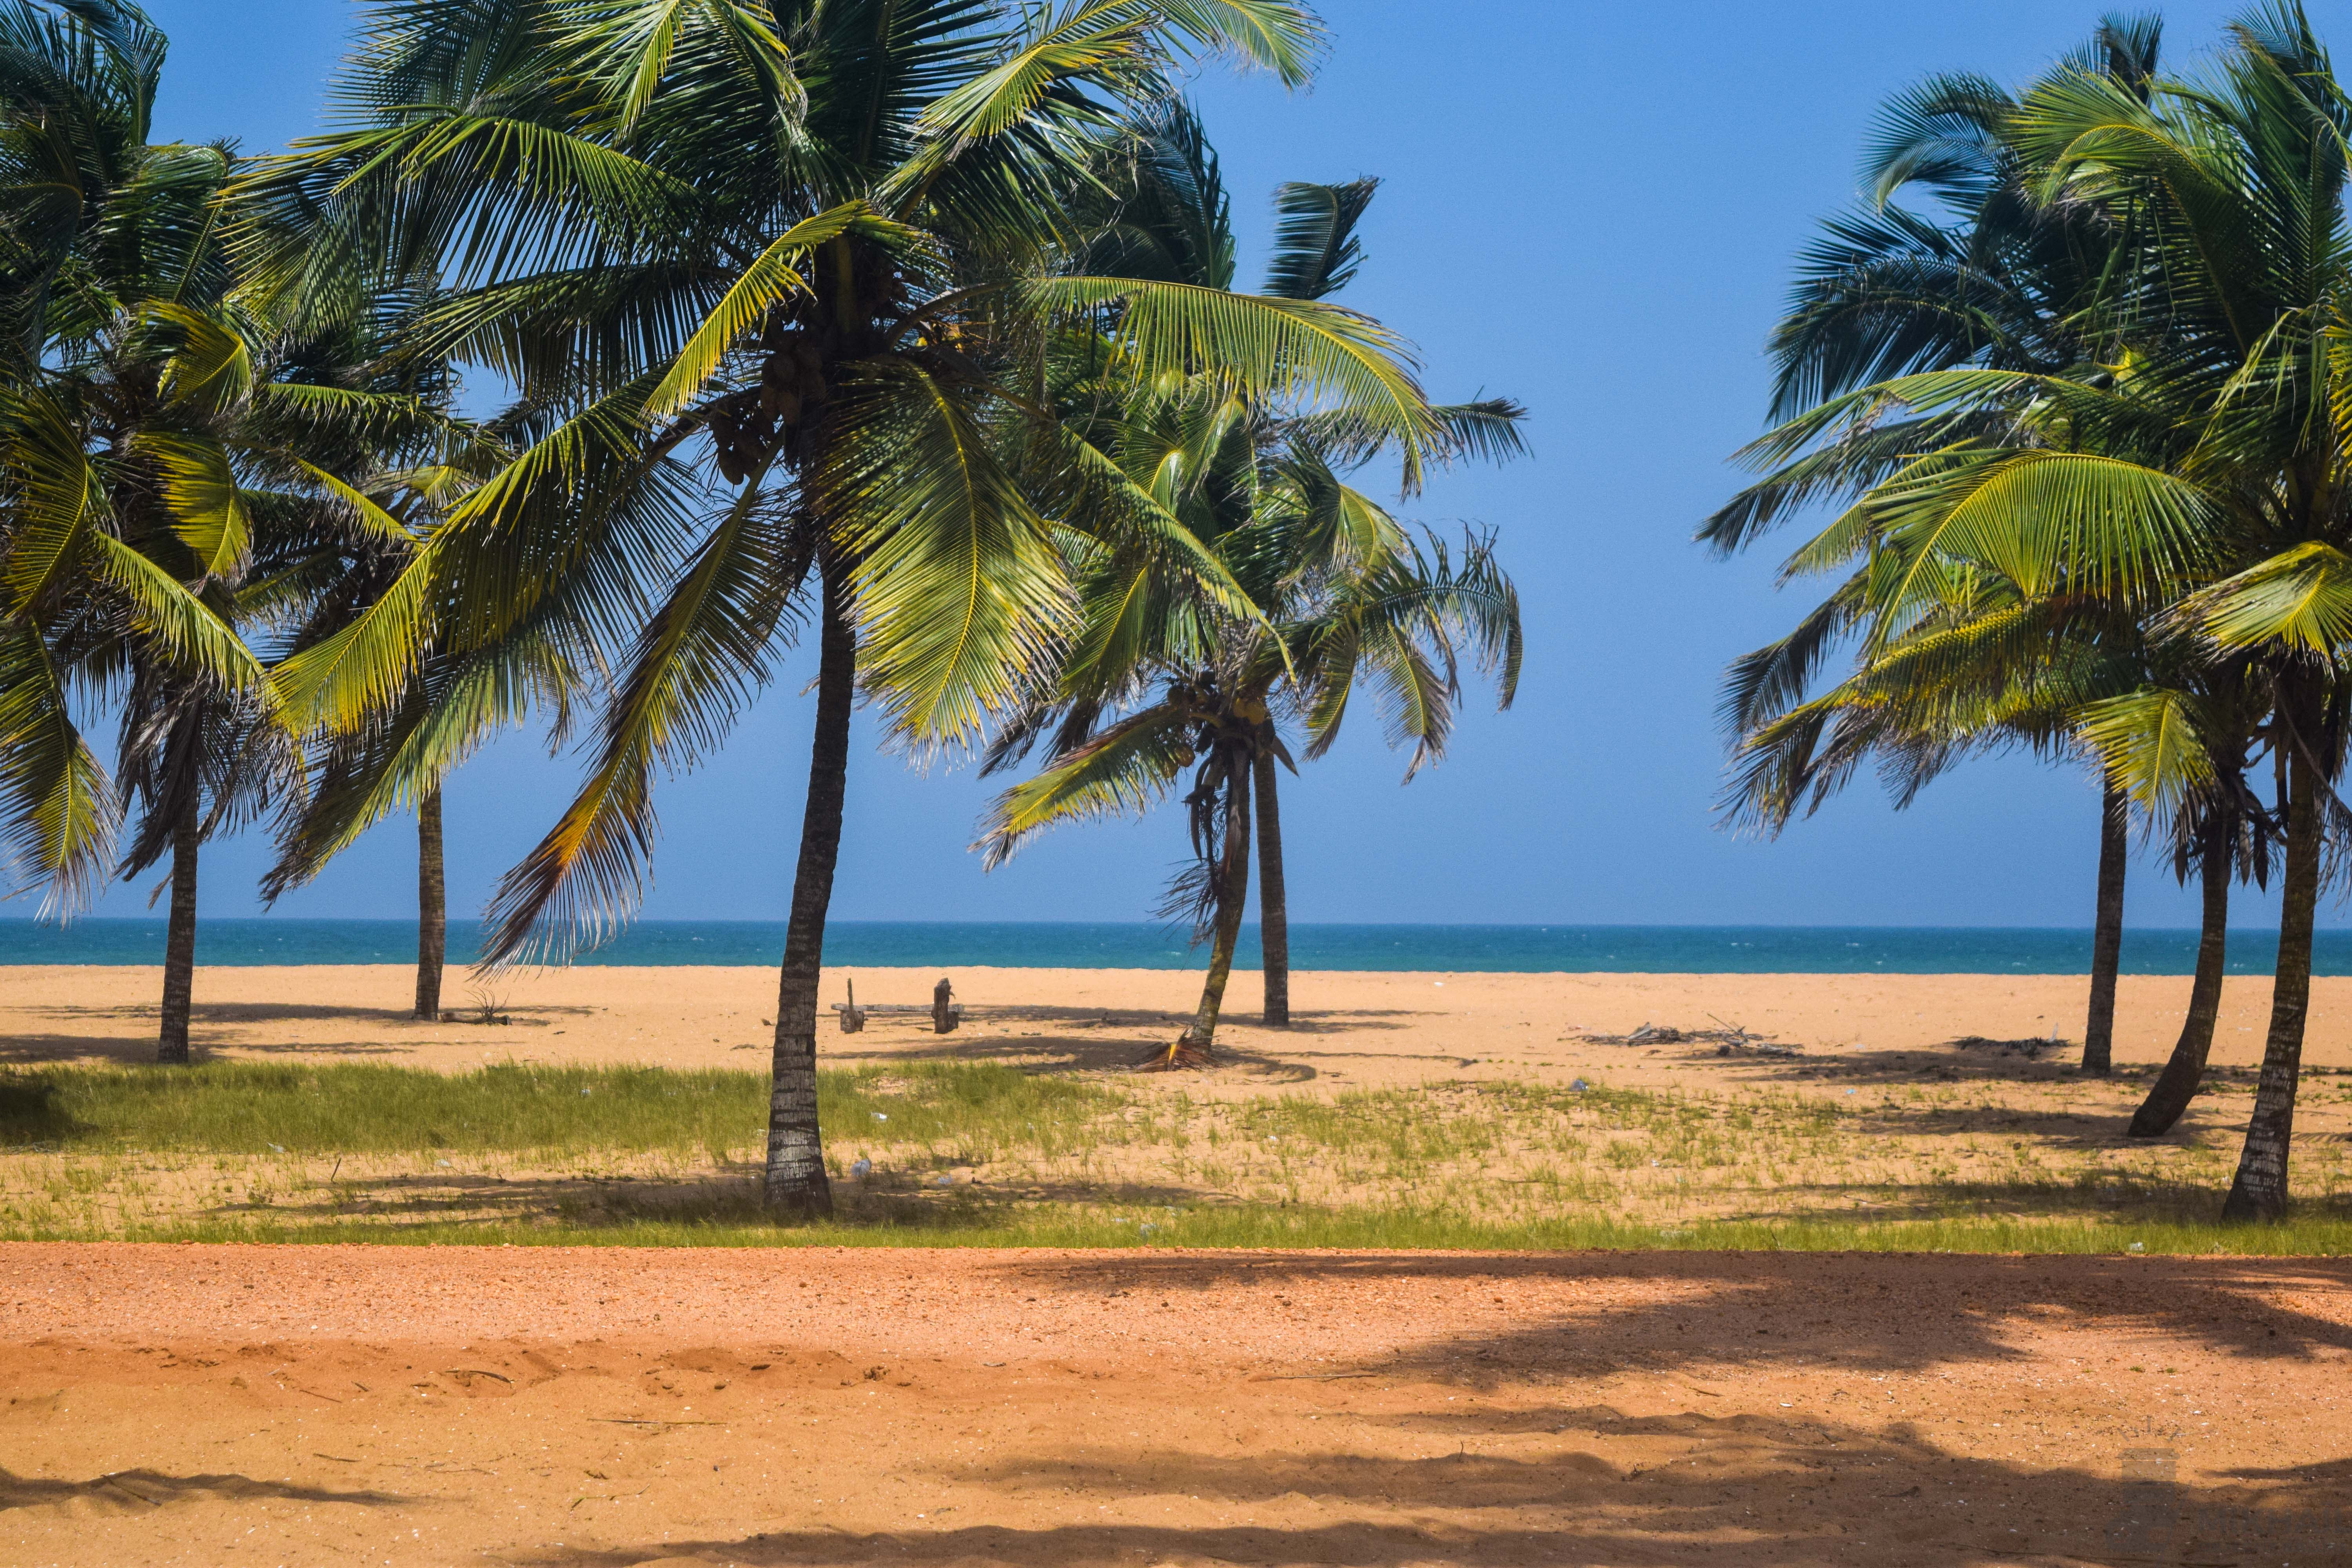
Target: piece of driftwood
[
  {"x": 853, "y": 1016},
  {"x": 1728, "y": 1039},
  {"x": 945, "y": 1013},
  {"x": 2030, "y": 1047}
]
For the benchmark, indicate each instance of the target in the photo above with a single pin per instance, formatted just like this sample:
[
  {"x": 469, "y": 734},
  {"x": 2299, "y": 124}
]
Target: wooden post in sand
[
  {"x": 944, "y": 1011},
  {"x": 853, "y": 1016}
]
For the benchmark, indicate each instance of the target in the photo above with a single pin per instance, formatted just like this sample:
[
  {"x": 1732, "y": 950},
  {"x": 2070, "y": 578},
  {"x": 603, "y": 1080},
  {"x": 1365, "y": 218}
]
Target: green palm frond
[
  {"x": 766, "y": 283},
  {"x": 959, "y": 585},
  {"x": 2151, "y": 744},
  {"x": 1124, "y": 770},
  {"x": 1316, "y": 252},
  {"x": 58, "y": 496},
  {"x": 183, "y": 628},
  {"x": 208, "y": 510},
  {"x": 1303, "y": 348},
  {"x": 2300, "y": 599},
  {"x": 59, "y": 810},
  {"x": 695, "y": 667}
]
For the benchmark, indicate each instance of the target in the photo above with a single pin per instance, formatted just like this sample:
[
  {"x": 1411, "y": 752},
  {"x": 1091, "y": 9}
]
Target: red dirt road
[{"x": 614, "y": 1407}]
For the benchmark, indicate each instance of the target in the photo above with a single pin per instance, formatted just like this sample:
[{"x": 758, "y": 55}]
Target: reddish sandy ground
[{"x": 303, "y": 1406}]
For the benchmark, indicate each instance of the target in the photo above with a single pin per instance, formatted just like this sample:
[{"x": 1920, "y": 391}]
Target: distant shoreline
[{"x": 1328, "y": 948}]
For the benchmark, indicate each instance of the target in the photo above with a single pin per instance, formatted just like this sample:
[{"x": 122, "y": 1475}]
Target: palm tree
[
  {"x": 1165, "y": 677},
  {"x": 157, "y": 436},
  {"x": 1316, "y": 253},
  {"x": 399, "y": 760},
  {"x": 767, "y": 281},
  {"x": 2180, "y": 748},
  {"x": 2190, "y": 477},
  {"x": 1888, "y": 291},
  {"x": 2240, "y": 182}
]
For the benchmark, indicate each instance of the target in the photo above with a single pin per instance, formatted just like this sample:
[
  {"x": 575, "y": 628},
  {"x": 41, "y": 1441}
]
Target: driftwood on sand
[{"x": 1728, "y": 1039}]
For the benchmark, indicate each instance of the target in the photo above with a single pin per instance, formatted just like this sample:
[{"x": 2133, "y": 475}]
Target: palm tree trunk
[
  {"x": 2167, "y": 1099},
  {"x": 1273, "y": 895},
  {"x": 2107, "y": 937},
  {"x": 1200, "y": 1041},
  {"x": 180, "y": 939},
  {"x": 2259, "y": 1191},
  {"x": 796, "y": 1186},
  {"x": 432, "y": 907}
]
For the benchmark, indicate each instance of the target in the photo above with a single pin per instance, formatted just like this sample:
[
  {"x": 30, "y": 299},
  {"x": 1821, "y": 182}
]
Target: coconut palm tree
[
  {"x": 158, "y": 436},
  {"x": 2240, "y": 179},
  {"x": 2192, "y": 476},
  {"x": 2004, "y": 282},
  {"x": 2181, "y": 746},
  {"x": 398, "y": 760},
  {"x": 1165, "y": 679},
  {"x": 769, "y": 283},
  {"x": 1197, "y": 694}
]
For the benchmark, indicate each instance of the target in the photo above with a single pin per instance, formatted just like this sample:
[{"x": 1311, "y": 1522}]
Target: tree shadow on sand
[
  {"x": 1534, "y": 1478},
  {"x": 144, "y": 1491},
  {"x": 1744, "y": 1489},
  {"x": 1774, "y": 1308}
]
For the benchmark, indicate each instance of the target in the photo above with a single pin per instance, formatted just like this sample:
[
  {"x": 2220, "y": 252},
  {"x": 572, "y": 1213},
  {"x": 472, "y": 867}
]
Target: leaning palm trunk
[
  {"x": 1273, "y": 897},
  {"x": 1196, "y": 1046},
  {"x": 796, "y": 1185},
  {"x": 432, "y": 907},
  {"x": 2259, "y": 1191},
  {"x": 180, "y": 938},
  {"x": 2167, "y": 1099},
  {"x": 2107, "y": 939}
]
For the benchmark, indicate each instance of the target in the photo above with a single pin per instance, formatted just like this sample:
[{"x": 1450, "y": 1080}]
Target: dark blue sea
[{"x": 1649, "y": 950}]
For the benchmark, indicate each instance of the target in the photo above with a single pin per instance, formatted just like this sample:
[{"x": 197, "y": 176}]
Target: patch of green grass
[
  {"x": 257, "y": 1108},
  {"x": 524, "y": 1154}
]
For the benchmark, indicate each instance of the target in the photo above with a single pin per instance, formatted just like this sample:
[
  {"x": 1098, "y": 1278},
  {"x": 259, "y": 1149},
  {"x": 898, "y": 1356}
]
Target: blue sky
[{"x": 1590, "y": 207}]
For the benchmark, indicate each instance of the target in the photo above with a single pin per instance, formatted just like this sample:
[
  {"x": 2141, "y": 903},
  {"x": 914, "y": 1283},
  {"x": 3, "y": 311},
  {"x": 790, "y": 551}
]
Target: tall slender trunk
[
  {"x": 1233, "y": 895},
  {"x": 2259, "y": 1191},
  {"x": 180, "y": 938},
  {"x": 1273, "y": 895},
  {"x": 796, "y": 1186},
  {"x": 2167, "y": 1099},
  {"x": 2107, "y": 936},
  {"x": 432, "y": 907}
]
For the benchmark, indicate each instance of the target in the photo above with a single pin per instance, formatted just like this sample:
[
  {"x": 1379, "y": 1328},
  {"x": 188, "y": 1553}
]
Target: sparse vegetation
[{"x": 967, "y": 1154}]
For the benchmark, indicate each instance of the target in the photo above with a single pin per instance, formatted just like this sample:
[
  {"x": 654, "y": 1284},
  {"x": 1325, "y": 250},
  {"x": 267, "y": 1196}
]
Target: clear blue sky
[{"x": 1591, "y": 207}]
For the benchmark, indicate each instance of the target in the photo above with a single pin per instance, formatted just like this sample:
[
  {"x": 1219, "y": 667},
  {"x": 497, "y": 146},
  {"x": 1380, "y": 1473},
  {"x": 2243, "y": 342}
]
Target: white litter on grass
[{"x": 879, "y": 1116}]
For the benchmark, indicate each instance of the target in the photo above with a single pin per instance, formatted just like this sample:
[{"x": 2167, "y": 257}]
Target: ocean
[{"x": 1462, "y": 948}]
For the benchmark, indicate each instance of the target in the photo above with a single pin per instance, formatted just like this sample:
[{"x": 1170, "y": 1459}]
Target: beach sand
[
  {"x": 1349, "y": 1029},
  {"x": 635, "y": 1408},
  {"x": 624, "y": 1408}
]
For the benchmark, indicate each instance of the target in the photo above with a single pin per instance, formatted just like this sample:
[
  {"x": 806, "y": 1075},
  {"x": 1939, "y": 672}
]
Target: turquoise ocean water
[{"x": 1652, "y": 950}]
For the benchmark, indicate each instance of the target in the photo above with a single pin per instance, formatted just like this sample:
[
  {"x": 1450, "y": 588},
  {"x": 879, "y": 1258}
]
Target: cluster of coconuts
[{"x": 744, "y": 423}]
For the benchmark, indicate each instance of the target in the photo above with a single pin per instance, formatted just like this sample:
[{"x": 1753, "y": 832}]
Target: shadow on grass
[
  {"x": 582, "y": 1207},
  {"x": 2112, "y": 1198},
  {"x": 60, "y": 1049}
]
